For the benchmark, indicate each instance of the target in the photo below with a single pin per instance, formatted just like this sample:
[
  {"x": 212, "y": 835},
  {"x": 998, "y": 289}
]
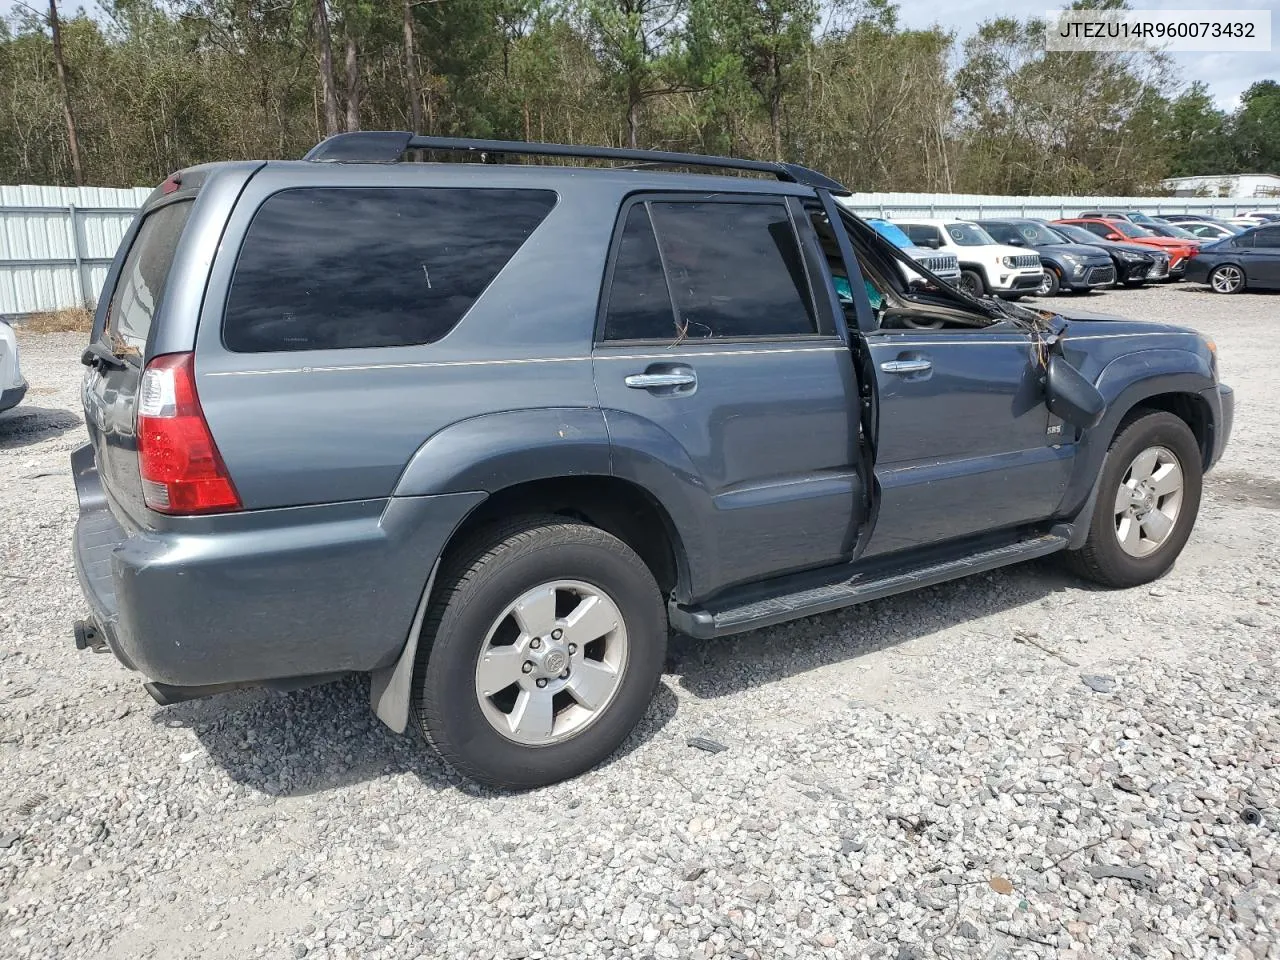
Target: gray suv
[{"x": 485, "y": 431}]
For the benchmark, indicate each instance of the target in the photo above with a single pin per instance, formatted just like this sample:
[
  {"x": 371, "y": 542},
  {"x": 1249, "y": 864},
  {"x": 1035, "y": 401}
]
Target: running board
[{"x": 704, "y": 623}]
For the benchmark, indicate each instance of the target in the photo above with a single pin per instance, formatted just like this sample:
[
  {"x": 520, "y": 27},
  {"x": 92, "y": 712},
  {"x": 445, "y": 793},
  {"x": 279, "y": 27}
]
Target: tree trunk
[
  {"x": 775, "y": 125},
  {"x": 327, "y": 87},
  {"x": 73, "y": 142},
  {"x": 411, "y": 71},
  {"x": 353, "y": 86},
  {"x": 633, "y": 119}
]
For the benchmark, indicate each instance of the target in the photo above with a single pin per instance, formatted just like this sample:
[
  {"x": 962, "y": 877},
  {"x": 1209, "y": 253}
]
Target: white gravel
[{"x": 925, "y": 775}]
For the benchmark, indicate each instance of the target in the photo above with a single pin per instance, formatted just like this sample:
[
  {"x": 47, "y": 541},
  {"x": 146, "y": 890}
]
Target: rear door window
[
  {"x": 734, "y": 270},
  {"x": 1267, "y": 237},
  {"x": 140, "y": 289},
  {"x": 326, "y": 268}
]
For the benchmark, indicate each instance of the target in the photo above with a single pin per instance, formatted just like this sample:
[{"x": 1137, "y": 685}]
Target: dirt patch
[
  {"x": 74, "y": 320},
  {"x": 1247, "y": 488}
]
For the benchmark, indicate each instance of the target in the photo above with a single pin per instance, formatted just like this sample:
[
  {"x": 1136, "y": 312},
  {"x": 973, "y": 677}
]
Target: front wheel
[
  {"x": 971, "y": 282},
  {"x": 1049, "y": 283},
  {"x": 543, "y": 644},
  {"x": 1148, "y": 498}
]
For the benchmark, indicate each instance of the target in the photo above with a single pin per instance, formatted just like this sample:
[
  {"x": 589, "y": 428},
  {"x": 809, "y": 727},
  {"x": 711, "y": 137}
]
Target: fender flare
[{"x": 1125, "y": 383}]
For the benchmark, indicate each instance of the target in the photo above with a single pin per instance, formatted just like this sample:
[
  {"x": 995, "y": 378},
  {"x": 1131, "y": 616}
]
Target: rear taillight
[{"x": 179, "y": 462}]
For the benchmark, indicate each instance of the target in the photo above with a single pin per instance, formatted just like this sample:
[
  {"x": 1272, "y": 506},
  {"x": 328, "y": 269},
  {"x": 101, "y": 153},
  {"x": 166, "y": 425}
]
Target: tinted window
[
  {"x": 639, "y": 302},
  {"x": 1001, "y": 231},
  {"x": 1267, "y": 237},
  {"x": 734, "y": 269},
  {"x": 325, "y": 268},
  {"x": 143, "y": 277},
  {"x": 1101, "y": 229},
  {"x": 1244, "y": 240},
  {"x": 921, "y": 234}
]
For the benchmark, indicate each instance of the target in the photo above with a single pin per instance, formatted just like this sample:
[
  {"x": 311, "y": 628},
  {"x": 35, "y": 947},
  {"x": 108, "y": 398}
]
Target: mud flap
[{"x": 389, "y": 687}]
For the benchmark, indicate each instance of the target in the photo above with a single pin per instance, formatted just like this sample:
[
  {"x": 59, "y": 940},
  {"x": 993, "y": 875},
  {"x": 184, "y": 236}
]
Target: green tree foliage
[{"x": 839, "y": 85}]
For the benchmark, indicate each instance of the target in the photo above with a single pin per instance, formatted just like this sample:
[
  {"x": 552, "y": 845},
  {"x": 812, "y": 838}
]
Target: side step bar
[{"x": 705, "y": 624}]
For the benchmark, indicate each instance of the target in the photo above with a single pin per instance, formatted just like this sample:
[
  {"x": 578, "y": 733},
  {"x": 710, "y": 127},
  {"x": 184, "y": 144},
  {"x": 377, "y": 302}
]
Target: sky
[{"x": 1227, "y": 75}]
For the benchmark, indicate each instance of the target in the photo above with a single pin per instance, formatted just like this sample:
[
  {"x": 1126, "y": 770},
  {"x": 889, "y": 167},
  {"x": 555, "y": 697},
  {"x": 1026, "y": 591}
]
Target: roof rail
[{"x": 388, "y": 146}]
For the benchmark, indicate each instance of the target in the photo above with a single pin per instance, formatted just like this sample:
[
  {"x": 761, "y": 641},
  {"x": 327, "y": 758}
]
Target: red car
[{"x": 1178, "y": 250}]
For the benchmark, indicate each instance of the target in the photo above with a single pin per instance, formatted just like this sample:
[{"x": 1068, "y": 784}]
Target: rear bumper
[
  {"x": 13, "y": 395},
  {"x": 260, "y": 595},
  {"x": 1196, "y": 270}
]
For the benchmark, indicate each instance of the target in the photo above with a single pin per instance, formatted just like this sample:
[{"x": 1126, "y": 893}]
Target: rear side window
[
  {"x": 1267, "y": 237},
  {"x": 921, "y": 234},
  {"x": 1101, "y": 229},
  {"x": 731, "y": 270},
  {"x": 344, "y": 267},
  {"x": 140, "y": 289}
]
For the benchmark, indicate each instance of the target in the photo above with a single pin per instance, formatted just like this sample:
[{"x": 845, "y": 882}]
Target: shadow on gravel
[
  {"x": 717, "y": 668},
  {"x": 323, "y": 738},
  {"x": 25, "y": 425}
]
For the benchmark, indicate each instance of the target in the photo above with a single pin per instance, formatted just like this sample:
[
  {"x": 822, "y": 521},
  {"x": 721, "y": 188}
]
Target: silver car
[{"x": 12, "y": 386}]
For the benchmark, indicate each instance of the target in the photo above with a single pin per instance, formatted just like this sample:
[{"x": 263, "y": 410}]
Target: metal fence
[
  {"x": 56, "y": 243},
  {"x": 974, "y": 207}
]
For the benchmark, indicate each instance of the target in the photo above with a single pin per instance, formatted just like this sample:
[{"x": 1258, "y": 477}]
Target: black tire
[
  {"x": 972, "y": 283},
  {"x": 1050, "y": 284},
  {"x": 1102, "y": 559},
  {"x": 1227, "y": 278},
  {"x": 477, "y": 582}
]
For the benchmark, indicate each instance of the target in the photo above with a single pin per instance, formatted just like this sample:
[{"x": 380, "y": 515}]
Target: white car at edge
[
  {"x": 986, "y": 267},
  {"x": 12, "y": 385}
]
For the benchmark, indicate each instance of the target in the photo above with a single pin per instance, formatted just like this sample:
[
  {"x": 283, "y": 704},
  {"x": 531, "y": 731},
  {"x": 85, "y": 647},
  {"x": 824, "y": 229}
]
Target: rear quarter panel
[{"x": 329, "y": 425}]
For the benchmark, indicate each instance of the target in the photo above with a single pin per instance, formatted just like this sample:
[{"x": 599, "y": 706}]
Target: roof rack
[{"x": 388, "y": 146}]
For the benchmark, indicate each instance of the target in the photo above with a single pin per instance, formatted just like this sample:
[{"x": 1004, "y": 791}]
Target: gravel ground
[{"x": 1014, "y": 765}]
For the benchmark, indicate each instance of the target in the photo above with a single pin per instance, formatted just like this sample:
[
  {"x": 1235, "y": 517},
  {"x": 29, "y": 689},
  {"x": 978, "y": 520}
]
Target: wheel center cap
[{"x": 555, "y": 661}]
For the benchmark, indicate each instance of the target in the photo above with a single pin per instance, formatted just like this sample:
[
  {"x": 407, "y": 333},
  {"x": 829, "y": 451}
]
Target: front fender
[
  {"x": 498, "y": 450},
  {"x": 1125, "y": 383}
]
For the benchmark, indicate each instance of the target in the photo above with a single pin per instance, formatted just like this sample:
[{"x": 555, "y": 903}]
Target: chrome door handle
[
  {"x": 647, "y": 381},
  {"x": 907, "y": 366}
]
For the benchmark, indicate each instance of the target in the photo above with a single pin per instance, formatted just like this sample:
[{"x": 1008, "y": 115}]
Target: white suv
[
  {"x": 985, "y": 266},
  {"x": 12, "y": 386}
]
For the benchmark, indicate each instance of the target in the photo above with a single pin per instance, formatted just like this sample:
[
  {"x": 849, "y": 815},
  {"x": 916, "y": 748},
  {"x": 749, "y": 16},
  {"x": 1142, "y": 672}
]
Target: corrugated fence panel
[
  {"x": 975, "y": 207},
  {"x": 56, "y": 243}
]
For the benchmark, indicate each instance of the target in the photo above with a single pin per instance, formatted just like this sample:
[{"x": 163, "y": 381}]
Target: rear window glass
[
  {"x": 140, "y": 288},
  {"x": 346, "y": 267}
]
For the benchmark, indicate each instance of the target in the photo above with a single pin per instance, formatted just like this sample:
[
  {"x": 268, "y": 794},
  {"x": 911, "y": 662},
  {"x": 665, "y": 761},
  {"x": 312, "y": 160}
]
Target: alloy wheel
[
  {"x": 1148, "y": 501},
  {"x": 552, "y": 662},
  {"x": 1227, "y": 279}
]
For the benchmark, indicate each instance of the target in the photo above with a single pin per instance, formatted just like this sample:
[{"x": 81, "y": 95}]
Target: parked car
[
  {"x": 1206, "y": 231},
  {"x": 1245, "y": 222},
  {"x": 1171, "y": 230},
  {"x": 1067, "y": 266},
  {"x": 1132, "y": 216},
  {"x": 1248, "y": 261},
  {"x": 1178, "y": 250},
  {"x": 1135, "y": 264},
  {"x": 986, "y": 267},
  {"x": 1184, "y": 218},
  {"x": 13, "y": 386},
  {"x": 1271, "y": 216},
  {"x": 487, "y": 431},
  {"x": 944, "y": 266}
]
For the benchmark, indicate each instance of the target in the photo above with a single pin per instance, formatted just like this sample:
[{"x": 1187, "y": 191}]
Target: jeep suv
[
  {"x": 986, "y": 265},
  {"x": 486, "y": 431}
]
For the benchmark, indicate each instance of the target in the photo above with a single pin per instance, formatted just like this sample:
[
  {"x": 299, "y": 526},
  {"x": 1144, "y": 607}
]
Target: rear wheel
[
  {"x": 971, "y": 282},
  {"x": 1148, "y": 498},
  {"x": 542, "y": 648},
  {"x": 1226, "y": 278}
]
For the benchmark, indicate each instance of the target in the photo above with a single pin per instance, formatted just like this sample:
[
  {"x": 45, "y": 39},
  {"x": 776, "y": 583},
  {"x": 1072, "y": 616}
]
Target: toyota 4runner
[{"x": 486, "y": 431}]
